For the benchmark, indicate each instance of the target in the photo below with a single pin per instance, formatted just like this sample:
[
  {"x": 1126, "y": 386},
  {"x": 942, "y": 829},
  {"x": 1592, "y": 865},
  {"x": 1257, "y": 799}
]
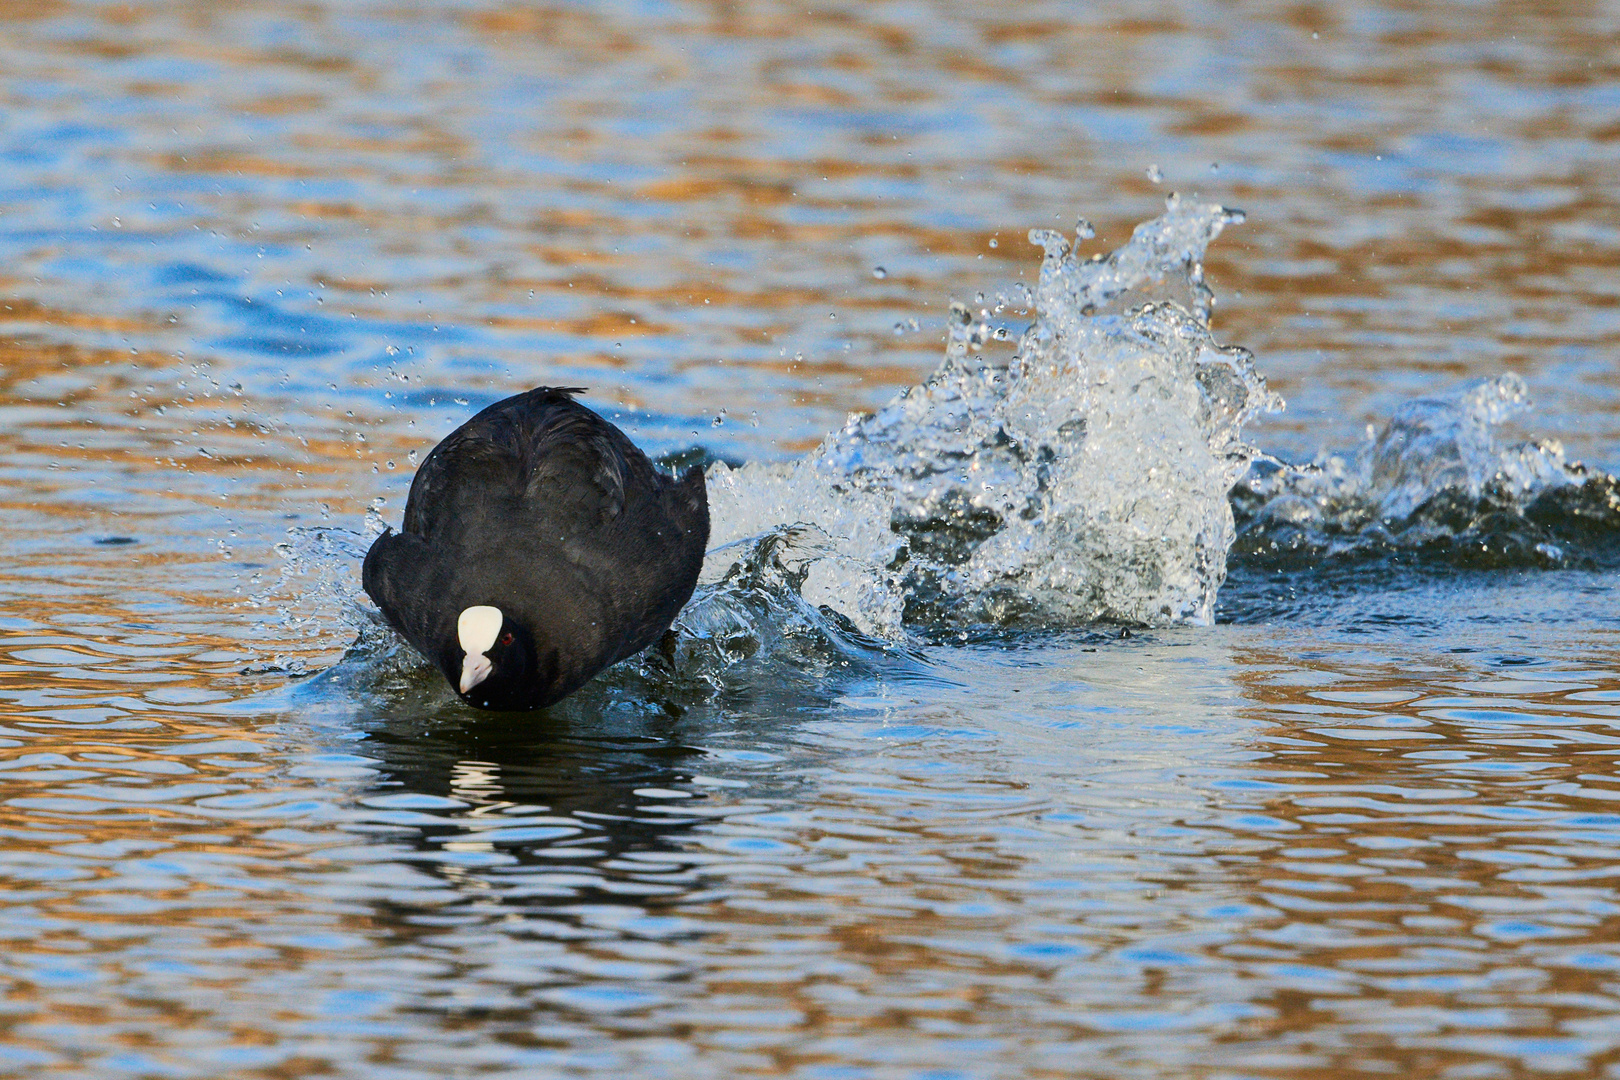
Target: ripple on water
[{"x": 256, "y": 260}]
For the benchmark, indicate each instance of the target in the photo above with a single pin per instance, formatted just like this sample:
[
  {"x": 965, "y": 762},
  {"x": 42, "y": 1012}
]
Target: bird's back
[{"x": 540, "y": 507}]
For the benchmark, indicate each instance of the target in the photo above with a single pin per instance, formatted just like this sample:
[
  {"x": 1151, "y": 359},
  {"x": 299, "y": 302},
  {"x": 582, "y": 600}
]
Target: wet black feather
[{"x": 541, "y": 508}]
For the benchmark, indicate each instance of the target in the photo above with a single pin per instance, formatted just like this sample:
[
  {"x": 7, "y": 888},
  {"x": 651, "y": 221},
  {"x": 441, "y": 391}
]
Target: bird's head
[{"x": 497, "y": 660}]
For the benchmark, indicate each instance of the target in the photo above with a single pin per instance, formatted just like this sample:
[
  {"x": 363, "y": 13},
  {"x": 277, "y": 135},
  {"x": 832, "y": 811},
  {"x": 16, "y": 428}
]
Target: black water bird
[{"x": 539, "y": 546}]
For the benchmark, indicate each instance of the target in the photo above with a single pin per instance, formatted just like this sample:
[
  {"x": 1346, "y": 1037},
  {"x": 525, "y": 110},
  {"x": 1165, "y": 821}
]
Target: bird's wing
[{"x": 397, "y": 575}]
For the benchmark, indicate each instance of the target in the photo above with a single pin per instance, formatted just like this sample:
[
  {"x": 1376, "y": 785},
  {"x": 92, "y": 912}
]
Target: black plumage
[{"x": 539, "y": 507}]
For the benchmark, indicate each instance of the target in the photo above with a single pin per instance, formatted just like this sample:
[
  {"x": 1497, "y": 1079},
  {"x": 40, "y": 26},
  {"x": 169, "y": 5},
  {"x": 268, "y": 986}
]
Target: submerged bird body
[{"x": 539, "y": 546}]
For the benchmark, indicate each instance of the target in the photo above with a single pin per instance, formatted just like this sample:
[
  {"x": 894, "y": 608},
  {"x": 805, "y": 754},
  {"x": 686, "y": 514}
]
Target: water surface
[{"x": 257, "y": 259}]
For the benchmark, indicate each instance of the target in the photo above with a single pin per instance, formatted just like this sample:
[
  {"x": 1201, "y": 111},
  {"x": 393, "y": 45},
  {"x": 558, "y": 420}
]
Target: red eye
[{"x": 506, "y": 638}]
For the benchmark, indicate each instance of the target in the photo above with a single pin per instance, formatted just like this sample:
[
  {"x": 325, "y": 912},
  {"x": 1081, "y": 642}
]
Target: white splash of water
[
  {"x": 1432, "y": 444},
  {"x": 1434, "y": 474},
  {"x": 1085, "y": 479}
]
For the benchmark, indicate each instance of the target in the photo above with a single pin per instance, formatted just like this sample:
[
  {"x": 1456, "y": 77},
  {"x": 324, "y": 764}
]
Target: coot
[{"x": 539, "y": 546}]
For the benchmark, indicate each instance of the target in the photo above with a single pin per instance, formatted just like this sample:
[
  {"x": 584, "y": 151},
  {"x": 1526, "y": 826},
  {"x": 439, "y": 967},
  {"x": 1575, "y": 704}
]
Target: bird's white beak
[{"x": 474, "y": 670}]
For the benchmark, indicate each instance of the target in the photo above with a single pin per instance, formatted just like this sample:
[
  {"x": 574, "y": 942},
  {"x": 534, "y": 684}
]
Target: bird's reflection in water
[
  {"x": 541, "y": 809},
  {"x": 591, "y": 802}
]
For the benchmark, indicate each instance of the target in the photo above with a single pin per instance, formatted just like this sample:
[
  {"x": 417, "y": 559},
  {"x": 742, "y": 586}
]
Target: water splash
[
  {"x": 1084, "y": 479},
  {"x": 1435, "y": 484},
  {"x": 316, "y": 599}
]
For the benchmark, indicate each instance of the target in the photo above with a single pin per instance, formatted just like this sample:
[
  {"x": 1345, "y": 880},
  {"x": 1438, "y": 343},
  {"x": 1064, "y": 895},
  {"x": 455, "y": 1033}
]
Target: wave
[{"x": 1434, "y": 486}]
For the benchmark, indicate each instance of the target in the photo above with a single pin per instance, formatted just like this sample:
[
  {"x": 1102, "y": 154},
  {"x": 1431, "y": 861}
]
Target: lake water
[{"x": 896, "y": 803}]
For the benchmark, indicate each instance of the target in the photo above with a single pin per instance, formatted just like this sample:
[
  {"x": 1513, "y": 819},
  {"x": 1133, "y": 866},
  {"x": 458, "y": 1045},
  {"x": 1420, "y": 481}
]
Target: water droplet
[
  {"x": 1155, "y": 174},
  {"x": 1083, "y": 229},
  {"x": 994, "y": 242},
  {"x": 879, "y": 273},
  {"x": 411, "y": 457},
  {"x": 1055, "y": 243}
]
